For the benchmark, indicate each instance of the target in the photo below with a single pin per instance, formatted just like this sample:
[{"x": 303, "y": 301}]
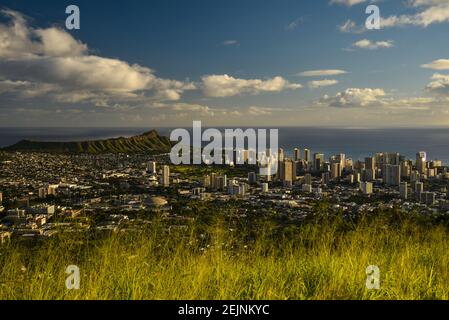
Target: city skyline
[
  {"x": 207, "y": 151},
  {"x": 288, "y": 63}
]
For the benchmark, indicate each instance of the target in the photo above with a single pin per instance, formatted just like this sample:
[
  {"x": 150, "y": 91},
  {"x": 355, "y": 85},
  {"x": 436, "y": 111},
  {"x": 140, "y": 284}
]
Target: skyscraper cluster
[{"x": 388, "y": 169}]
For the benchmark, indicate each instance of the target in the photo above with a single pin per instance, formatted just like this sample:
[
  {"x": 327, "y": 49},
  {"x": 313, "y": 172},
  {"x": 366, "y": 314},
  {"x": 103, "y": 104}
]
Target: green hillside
[{"x": 150, "y": 142}]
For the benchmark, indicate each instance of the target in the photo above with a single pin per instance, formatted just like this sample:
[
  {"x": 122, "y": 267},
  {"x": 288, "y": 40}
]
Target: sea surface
[{"x": 355, "y": 143}]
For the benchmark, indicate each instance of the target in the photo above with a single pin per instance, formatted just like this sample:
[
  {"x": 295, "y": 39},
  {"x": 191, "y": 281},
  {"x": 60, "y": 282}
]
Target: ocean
[{"x": 355, "y": 143}]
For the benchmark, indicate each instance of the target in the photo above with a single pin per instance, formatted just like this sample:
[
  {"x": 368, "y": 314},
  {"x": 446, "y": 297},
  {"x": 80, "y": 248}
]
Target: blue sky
[{"x": 256, "y": 50}]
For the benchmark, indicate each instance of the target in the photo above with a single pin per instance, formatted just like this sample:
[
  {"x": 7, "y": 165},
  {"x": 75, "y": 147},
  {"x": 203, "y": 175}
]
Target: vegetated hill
[{"x": 150, "y": 142}]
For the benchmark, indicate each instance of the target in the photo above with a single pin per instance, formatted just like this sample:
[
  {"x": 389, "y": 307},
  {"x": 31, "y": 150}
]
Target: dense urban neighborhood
[{"x": 43, "y": 194}]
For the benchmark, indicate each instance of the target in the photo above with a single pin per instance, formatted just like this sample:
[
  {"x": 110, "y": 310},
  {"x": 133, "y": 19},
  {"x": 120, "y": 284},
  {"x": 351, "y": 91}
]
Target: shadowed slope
[{"x": 149, "y": 142}]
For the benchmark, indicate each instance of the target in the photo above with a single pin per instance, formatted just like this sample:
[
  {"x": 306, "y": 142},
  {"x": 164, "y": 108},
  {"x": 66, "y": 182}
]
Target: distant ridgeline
[{"x": 150, "y": 142}]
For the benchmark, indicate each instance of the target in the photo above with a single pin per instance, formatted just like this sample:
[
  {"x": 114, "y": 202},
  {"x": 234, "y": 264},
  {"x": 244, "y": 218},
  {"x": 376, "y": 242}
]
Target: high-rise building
[
  {"x": 225, "y": 182},
  {"x": 366, "y": 187},
  {"x": 350, "y": 179},
  {"x": 419, "y": 189},
  {"x": 294, "y": 171},
  {"x": 252, "y": 178},
  {"x": 349, "y": 164},
  {"x": 269, "y": 175},
  {"x": 342, "y": 160},
  {"x": 42, "y": 193},
  {"x": 392, "y": 175},
  {"x": 297, "y": 153},
  {"x": 268, "y": 164},
  {"x": 152, "y": 167},
  {"x": 166, "y": 176},
  {"x": 265, "y": 187},
  {"x": 325, "y": 178},
  {"x": 335, "y": 170},
  {"x": 421, "y": 162},
  {"x": 421, "y": 167},
  {"x": 318, "y": 159},
  {"x": 370, "y": 163},
  {"x": 233, "y": 188},
  {"x": 369, "y": 175},
  {"x": 286, "y": 171},
  {"x": 435, "y": 164},
  {"x": 281, "y": 159},
  {"x": 406, "y": 169},
  {"x": 219, "y": 183},
  {"x": 206, "y": 181},
  {"x": 414, "y": 176},
  {"x": 403, "y": 190},
  {"x": 422, "y": 155},
  {"x": 307, "y": 154},
  {"x": 243, "y": 188},
  {"x": 281, "y": 155},
  {"x": 431, "y": 173},
  {"x": 392, "y": 158},
  {"x": 380, "y": 160}
]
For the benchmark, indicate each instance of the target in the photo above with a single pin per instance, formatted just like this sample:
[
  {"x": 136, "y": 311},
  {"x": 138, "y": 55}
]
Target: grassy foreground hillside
[
  {"x": 325, "y": 259},
  {"x": 150, "y": 142}
]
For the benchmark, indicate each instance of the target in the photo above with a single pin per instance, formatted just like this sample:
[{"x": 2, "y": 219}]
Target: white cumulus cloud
[
  {"x": 439, "y": 84},
  {"x": 322, "y": 83},
  {"x": 354, "y": 98},
  {"x": 348, "y": 3},
  {"x": 51, "y": 62},
  {"x": 322, "y": 73},
  {"x": 441, "y": 64},
  {"x": 228, "y": 86},
  {"x": 426, "y": 13},
  {"x": 231, "y": 43},
  {"x": 429, "y": 12},
  {"x": 373, "y": 45}
]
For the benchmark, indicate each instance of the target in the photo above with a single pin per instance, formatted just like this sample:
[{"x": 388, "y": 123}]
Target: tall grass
[{"x": 325, "y": 259}]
